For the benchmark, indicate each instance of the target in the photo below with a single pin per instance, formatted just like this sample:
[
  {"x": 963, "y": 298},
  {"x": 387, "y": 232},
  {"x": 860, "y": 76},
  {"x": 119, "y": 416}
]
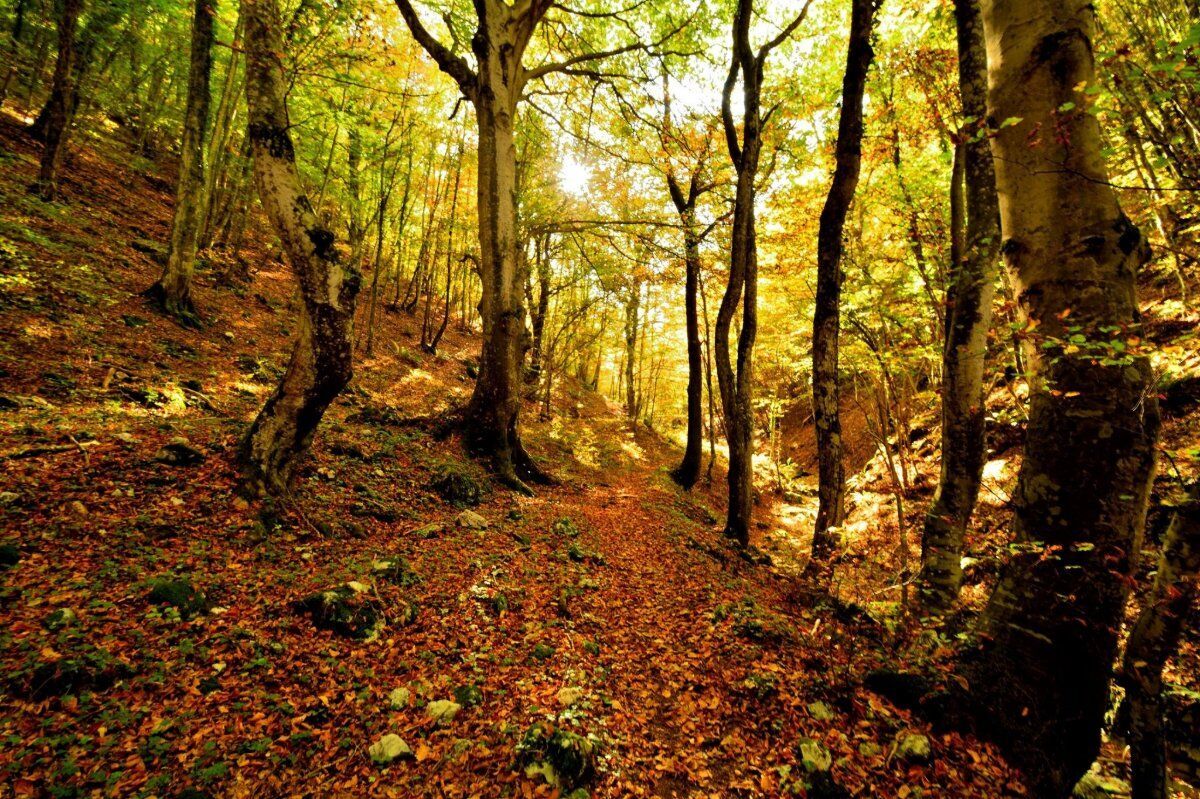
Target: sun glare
[{"x": 573, "y": 176}]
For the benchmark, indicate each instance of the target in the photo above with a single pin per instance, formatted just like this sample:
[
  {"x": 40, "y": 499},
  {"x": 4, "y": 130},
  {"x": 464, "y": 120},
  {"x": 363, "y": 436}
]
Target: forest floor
[{"x": 152, "y": 639}]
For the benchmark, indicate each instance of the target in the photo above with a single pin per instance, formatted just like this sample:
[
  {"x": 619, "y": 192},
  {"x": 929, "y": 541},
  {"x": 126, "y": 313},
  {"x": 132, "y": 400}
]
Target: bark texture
[
  {"x": 58, "y": 108},
  {"x": 1153, "y": 640},
  {"x": 173, "y": 291},
  {"x": 1039, "y": 673},
  {"x": 969, "y": 317},
  {"x": 831, "y": 477},
  {"x": 321, "y": 363}
]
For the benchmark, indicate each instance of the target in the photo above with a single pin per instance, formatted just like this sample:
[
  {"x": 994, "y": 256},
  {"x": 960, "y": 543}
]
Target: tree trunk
[
  {"x": 1039, "y": 674},
  {"x": 1154, "y": 639},
  {"x": 58, "y": 118},
  {"x": 632, "y": 302},
  {"x": 321, "y": 363},
  {"x": 173, "y": 291},
  {"x": 969, "y": 317},
  {"x": 831, "y": 477},
  {"x": 688, "y": 471}
]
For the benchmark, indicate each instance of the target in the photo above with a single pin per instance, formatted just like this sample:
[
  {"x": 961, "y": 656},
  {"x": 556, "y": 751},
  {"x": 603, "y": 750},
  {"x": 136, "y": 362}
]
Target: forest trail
[{"x": 153, "y": 635}]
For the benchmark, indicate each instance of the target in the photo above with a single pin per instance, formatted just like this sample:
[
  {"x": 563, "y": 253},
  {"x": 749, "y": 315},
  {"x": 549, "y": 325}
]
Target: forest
[{"x": 600, "y": 398}]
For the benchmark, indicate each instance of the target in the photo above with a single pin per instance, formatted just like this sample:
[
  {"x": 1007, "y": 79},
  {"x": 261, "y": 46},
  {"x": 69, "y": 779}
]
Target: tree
[
  {"x": 58, "y": 107},
  {"x": 827, "y": 311},
  {"x": 173, "y": 291},
  {"x": 969, "y": 316},
  {"x": 1039, "y": 674},
  {"x": 495, "y": 88},
  {"x": 737, "y": 386},
  {"x": 321, "y": 363},
  {"x": 1154, "y": 639}
]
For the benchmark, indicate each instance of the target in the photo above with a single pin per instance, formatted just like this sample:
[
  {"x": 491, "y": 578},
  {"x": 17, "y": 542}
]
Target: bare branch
[{"x": 453, "y": 65}]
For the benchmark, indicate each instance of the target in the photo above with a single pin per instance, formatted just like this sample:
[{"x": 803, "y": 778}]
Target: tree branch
[{"x": 453, "y": 65}]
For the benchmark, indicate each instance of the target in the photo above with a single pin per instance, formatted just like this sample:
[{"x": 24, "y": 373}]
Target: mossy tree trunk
[
  {"x": 969, "y": 317},
  {"x": 173, "y": 291},
  {"x": 321, "y": 363}
]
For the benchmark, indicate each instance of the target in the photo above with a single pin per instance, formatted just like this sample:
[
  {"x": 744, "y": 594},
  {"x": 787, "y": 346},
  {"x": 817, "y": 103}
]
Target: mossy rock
[
  {"x": 468, "y": 695},
  {"x": 459, "y": 487},
  {"x": 566, "y": 760},
  {"x": 10, "y": 556},
  {"x": 564, "y": 528},
  {"x": 180, "y": 594},
  {"x": 346, "y": 610},
  {"x": 395, "y": 570},
  {"x": 90, "y": 669},
  {"x": 755, "y": 623}
]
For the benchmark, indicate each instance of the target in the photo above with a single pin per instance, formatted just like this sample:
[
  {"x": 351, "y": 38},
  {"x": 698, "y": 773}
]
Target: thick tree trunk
[
  {"x": 58, "y": 117},
  {"x": 321, "y": 363},
  {"x": 831, "y": 477},
  {"x": 1039, "y": 675},
  {"x": 1153, "y": 640},
  {"x": 173, "y": 291},
  {"x": 969, "y": 317}
]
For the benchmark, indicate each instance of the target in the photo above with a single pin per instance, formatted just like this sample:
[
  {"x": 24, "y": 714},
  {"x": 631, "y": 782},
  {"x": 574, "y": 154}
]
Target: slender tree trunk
[
  {"x": 632, "y": 327},
  {"x": 14, "y": 48},
  {"x": 173, "y": 291},
  {"x": 541, "y": 259},
  {"x": 321, "y": 363},
  {"x": 58, "y": 118},
  {"x": 1039, "y": 675},
  {"x": 688, "y": 471},
  {"x": 831, "y": 475},
  {"x": 969, "y": 317},
  {"x": 1153, "y": 640}
]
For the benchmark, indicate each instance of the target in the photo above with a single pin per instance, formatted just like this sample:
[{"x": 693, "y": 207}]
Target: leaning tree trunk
[
  {"x": 969, "y": 317},
  {"x": 1039, "y": 674},
  {"x": 1154, "y": 639},
  {"x": 321, "y": 362},
  {"x": 173, "y": 291},
  {"x": 831, "y": 477},
  {"x": 58, "y": 117}
]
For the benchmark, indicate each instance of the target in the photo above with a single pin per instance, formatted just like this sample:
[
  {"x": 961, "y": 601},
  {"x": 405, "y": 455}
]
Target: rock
[
  {"x": 569, "y": 696},
  {"x": 90, "y": 669},
  {"x": 78, "y": 508},
  {"x": 1099, "y": 786},
  {"x": 9, "y": 498},
  {"x": 156, "y": 250},
  {"x": 399, "y": 698},
  {"x": 396, "y": 571},
  {"x": 346, "y": 610},
  {"x": 563, "y": 759},
  {"x": 58, "y": 619},
  {"x": 388, "y": 748},
  {"x": 471, "y": 520},
  {"x": 542, "y": 652},
  {"x": 820, "y": 711},
  {"x": 179, "y": 594},
  {"x": 814, "y": 756},
  {"x": 442, "y": 710},
  {"x": 468, "y": 695},
  {"x": 564, "y": 527},
  {"x": 458, "y": 487},
  {"x": 428, "y": 531},
  {"x": 126, "y": 438},
  {"x": 913, "y": 747},
  {"x": 179, "y": 453},
  {"x": 870, "y": 749},
  {"x": 9, "y": 556}
]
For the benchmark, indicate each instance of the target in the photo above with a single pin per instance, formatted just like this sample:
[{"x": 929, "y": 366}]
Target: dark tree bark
[
  {"x": 58, "y": 117},
  {"x": 321, "y": 363},
  {"x": 173, "y": 291},
  {"x": 541, "y": 307},
  {"x": 969, "y": 317},
  {"x": 737, "y": 384},
  {"x": 1039, "y": 672},
  {"x": 1153, "y": 640},
  {"x": 688, "y": 471},
  {"x": 831, "y": 477}
]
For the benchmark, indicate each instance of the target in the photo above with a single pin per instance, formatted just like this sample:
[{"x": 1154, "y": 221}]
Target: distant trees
[
  {"x": 321, "y": 363},
  {"x": 173, "y": 291}
]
